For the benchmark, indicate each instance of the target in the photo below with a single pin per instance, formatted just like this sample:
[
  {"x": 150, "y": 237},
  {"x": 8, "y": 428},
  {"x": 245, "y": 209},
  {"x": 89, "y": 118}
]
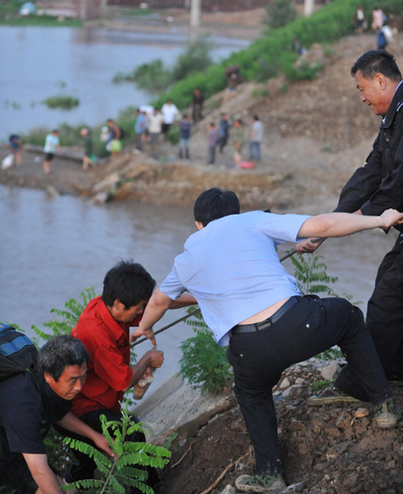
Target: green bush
[
  {"x": 203, "y": 360},
  {"x": 155, "y": 77},
  {"x": 173, "y": 134},
  {"x": 61, "y": 101},
  {"x": 280, "y": 13},
  {"x": 126, "y": 467},
  {"x": 266, "y": 56}
]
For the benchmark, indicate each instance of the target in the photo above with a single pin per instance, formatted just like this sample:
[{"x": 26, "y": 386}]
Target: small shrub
[
  {"x": 173, "y": 134},
  {"x": 121, "y": 471},
  {"x": 280, "y": 13},
  {"x": 311, "y": 275},
  {"x": 204, "y": 361},
  {"x": 320, "y": 385},
  {"x": 61, "y": 101},
  {"x": 259, "y": 93}
]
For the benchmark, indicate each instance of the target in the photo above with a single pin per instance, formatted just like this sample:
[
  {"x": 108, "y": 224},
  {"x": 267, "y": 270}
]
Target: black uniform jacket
[{"x": 379, "y": 184}]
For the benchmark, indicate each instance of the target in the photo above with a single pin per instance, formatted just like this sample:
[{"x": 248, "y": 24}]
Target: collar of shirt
[
  {"x": 395, "y": 104},
  {"x": 117, "y": 329}
]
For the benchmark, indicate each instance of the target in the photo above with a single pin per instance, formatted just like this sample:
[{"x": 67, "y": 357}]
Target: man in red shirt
[{"x": 104, "y": 328}]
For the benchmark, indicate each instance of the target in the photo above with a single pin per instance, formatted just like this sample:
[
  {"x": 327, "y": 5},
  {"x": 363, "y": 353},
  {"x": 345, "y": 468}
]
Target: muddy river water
[
  {"x": 51, "y": 250},
  {"x": 40, "y": 62}
]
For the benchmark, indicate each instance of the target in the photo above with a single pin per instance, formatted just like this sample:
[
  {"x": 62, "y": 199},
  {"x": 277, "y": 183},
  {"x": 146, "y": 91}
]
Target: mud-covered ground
[{"x": 333, "y": 449}]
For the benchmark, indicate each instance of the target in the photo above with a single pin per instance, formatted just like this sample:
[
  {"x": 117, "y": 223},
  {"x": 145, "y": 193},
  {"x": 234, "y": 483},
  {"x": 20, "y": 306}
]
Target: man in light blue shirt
[{"x": 251, "y": 303}]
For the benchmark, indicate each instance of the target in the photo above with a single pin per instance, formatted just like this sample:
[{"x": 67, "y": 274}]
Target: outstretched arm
[
  {"x": 156, "y": 307},
  {"x": 341, "y": 224}
]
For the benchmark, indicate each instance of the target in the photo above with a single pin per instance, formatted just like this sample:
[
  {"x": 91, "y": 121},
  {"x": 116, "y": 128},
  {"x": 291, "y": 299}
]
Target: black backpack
[{"x": 17, "y": 352}]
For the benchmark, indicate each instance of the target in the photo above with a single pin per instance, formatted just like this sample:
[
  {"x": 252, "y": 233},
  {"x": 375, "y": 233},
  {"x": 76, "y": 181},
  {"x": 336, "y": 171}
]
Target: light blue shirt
[
  {"x": 232, "y": 268},
  {"x": 51, "y": 143}
]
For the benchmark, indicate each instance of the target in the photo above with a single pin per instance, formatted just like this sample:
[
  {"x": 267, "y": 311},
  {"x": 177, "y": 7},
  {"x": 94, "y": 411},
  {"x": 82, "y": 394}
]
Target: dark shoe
[
  {"x": 387, "y": 415},
  {"x": 260, "y": 483},
  {"x": 330, "y": 396}
]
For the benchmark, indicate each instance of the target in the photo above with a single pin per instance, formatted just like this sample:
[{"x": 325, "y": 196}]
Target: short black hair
[
  {"x": 256, "y": 117},
  {"x": 215, "y": 203},
  {"x": 60, "y": 352},
  {"x": 129, "y": 283},
  {"x": 377, "y": 61}
]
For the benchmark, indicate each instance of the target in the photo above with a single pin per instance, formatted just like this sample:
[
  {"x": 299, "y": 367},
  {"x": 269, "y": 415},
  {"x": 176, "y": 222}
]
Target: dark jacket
[{"x": 379, "y": 184}]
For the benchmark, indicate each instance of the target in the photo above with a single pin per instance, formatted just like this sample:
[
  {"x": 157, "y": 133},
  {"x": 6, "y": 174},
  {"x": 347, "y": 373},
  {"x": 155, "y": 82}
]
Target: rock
[
  {"x": 361, "y": 412},
  {"x": 293, "y": 488},
  {"x": 292, "y": 391},
  {"x": 331, "y": 371},
  {"x": 299, "y": 380},
  {"x": 107, "y": 183},
  {"x": 228, "y": 490},
  {"x": 52, "y": 192},
  {"x": 285, "y": 384},
  {"x": 239, "y": 466},
  {"x": 100, "y": 198}
]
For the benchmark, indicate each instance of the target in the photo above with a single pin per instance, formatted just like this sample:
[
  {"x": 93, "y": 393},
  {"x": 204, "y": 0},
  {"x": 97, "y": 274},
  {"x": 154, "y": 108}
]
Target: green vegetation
[
  {"x": 320, "y": 385},
  {"x": 61, "y": 101},
  {"x": 203, "y": 361},
  {"x": 155, "y": 77},
  {"x": 274, "y": 52},
  {"x": 311, "y": 275},
  {"x": 280, "y": 13},
  {"x": 120, "y": 471}
]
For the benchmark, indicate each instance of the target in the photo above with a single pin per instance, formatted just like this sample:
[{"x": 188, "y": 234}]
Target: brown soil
[{"x": 325, "y": 450}]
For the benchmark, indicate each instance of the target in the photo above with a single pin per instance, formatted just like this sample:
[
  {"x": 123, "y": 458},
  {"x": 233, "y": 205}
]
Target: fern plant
[
  {"x": 69, "y": 317},
  {"x": 120, "y": 471},
  {"x": 311, "y": 275},
  {"x": 203, "y": 361}
]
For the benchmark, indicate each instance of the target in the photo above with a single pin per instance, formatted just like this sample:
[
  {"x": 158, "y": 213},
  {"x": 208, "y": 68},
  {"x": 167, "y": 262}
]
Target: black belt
[{"x": 258, "y": 326}]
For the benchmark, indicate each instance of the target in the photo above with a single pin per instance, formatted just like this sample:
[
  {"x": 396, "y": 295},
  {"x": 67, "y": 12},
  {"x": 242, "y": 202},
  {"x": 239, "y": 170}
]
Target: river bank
[{"x": 333, "y": 449}]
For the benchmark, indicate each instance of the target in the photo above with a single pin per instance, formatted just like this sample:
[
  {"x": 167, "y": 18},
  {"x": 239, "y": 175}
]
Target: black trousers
[
  {"x": 309, "y": 327},
  {"x": 385, "y": 311},
  {"x": 84, "y": 467}
]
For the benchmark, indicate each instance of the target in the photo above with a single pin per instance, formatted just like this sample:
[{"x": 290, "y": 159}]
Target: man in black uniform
[
  {"x": 30, "y": 404},
  {"x": 374, "y": 188}
]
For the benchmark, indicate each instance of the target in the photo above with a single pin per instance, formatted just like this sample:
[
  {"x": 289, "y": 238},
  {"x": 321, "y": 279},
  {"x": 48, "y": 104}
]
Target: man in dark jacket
[
  {"x": 30, "y": 404},
  {"x": 374, "y": 188}
]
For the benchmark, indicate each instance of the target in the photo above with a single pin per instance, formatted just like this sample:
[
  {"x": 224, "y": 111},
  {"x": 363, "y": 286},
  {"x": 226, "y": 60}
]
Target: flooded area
[
  {"x": 40, "y": 62},
  {"x": 52, "y": 249}
]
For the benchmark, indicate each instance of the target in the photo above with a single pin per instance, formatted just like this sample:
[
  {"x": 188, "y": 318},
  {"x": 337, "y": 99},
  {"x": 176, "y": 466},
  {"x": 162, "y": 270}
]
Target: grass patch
[
  {"x": 37, "y": 20},
  {"x": 62, "y": 101}
]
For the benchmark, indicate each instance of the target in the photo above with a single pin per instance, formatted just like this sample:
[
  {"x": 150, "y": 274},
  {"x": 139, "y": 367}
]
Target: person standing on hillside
[
  {"x": 256, "y": 138},
  {"x": 184, "y": 128},
  {"x": 224, "y": 130},
  {"x": 239, "y": 137},
  {"x": 154, "y": 125},
  {"x": 169, "y": 112},
  {"x": 52, "y": 144},
  {"x": 378, "y": 18},
  {"x": 250, "y": 302},
  {"x": 197, "y": 105},
  {"x": 140, "y": 128},
  {"x": 375, "y": 187},
  {"x": 212, "y": 142}
]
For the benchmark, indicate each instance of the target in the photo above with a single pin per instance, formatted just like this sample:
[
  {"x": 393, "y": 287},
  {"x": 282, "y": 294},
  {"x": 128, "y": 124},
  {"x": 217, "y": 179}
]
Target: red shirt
[{"x": 108, "y": 344}]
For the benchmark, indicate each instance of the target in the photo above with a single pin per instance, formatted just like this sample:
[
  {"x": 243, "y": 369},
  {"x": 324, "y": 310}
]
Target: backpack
[
  {"x": 122, "y": 133},
  {"x": 17, "y": 352}
]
